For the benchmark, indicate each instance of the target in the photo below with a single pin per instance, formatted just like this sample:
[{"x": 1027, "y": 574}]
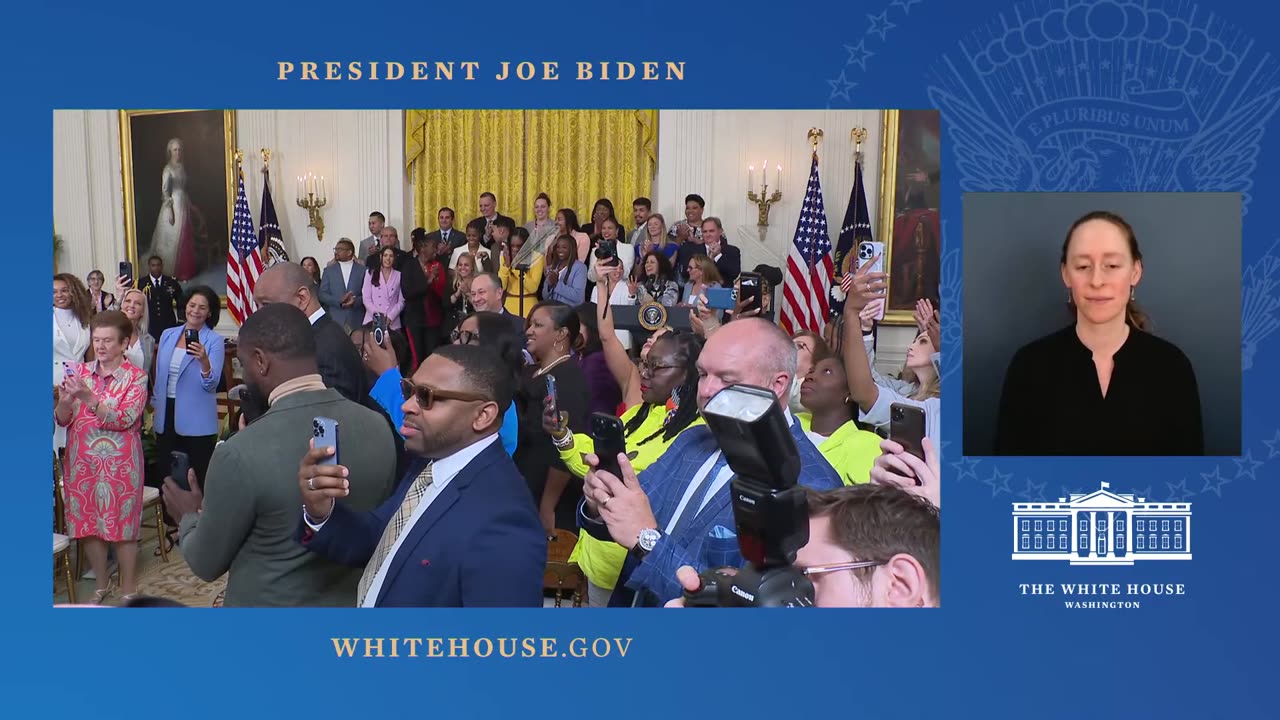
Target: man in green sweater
[{"x": 244, "y": 522}]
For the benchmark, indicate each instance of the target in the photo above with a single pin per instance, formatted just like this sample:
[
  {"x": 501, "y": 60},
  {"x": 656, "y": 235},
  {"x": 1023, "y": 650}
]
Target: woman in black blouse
[
  {"x": 552, "y": 333},
  {"x": 1104, "y": 385}
]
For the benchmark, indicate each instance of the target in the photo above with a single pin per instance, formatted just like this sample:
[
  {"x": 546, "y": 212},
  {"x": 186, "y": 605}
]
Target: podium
[{"x": 627, "y": 317}]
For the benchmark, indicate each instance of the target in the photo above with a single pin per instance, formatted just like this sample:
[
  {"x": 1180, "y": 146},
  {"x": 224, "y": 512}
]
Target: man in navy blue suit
[
  {"x": 679, "y": 510},
  {"x": 461, "y": 529}
]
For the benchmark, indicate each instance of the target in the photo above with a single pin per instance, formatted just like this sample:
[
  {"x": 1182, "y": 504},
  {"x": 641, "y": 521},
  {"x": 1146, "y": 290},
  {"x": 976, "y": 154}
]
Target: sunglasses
[
  {"x": 824, "y": 569},
  {"x": 427, "y": 395}
]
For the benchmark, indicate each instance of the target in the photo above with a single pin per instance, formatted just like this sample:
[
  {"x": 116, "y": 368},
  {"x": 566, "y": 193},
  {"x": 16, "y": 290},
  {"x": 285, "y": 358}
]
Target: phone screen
[{"x": 750, "y": 284}]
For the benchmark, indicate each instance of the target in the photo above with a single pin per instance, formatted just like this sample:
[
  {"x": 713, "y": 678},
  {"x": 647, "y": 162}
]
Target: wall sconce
[
  {"x": 764, "y": 200},
  {"x": 311, "y": 197}
]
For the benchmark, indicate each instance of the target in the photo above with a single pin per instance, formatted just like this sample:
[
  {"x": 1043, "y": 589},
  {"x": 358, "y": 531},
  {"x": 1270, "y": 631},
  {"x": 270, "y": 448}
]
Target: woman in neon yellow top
[
  {"x": 509, "y": 259},
  {"x": 662, "y": 401},
  {"x": 829, "y": 422}
]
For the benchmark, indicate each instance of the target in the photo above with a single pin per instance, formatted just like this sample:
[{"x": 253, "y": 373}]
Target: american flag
[
  {"x": 809, "y": 265},
  {"x": 244, "y": 259}
]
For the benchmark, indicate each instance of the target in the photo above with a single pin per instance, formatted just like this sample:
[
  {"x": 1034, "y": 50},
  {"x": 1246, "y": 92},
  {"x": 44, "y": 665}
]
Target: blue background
[{"x": 988, "y": 651}]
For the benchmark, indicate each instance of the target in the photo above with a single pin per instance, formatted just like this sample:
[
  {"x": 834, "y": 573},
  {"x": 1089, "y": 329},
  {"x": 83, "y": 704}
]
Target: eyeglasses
[
  {"x": 653, "y": 368},
  {"x": 824, "y": 569},
  {"x": 463, "y": 337},
  {"x": 427, "y": 395}
]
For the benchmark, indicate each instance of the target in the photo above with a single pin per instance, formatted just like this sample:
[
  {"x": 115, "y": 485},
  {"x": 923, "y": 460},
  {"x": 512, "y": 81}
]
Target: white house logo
[{"x": 1102, "y": 528}]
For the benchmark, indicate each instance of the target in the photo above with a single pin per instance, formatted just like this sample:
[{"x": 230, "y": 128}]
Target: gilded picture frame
[
  {"x": 909, "y": 221},
  {"x": 179, "y": 181}
]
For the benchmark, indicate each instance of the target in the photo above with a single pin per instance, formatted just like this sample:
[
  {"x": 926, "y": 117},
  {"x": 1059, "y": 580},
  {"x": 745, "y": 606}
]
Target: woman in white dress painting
[
  {"x": 71, "y": 311},
  {"x": 174, "y": 236}
]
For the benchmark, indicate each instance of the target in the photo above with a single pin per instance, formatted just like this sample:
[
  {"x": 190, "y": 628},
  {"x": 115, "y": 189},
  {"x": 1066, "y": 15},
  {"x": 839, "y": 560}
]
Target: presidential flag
[
  {"x": 244, "y": 259},
  {"x": 809, "y": 267},
  {"x": 855, "y": 229},
  {"x": 270, "y": 239}
]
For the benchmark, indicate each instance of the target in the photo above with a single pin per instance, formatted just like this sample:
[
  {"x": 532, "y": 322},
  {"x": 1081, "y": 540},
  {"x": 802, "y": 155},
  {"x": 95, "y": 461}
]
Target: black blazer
[
  {"x": 163, "y": 304},
  {"x": 339, "y": 361},
  {"x": 730, "y": 263},
  {"x": 480, "y": 223}
]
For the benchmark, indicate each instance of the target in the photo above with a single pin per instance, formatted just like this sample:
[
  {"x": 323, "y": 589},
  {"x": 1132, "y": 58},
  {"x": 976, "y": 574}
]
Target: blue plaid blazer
[{"x": 709, "y": 541}]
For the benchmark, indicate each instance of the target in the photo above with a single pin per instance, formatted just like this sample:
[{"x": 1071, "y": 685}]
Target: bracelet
[{"x": 564, "y": 442}]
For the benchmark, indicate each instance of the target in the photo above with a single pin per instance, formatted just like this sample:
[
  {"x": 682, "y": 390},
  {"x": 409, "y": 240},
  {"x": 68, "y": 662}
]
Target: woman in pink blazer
[{"x": 381, "y": 291}]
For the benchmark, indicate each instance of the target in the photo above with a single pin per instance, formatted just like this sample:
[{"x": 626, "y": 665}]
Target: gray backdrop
[{"x": 1013, "y": 291}]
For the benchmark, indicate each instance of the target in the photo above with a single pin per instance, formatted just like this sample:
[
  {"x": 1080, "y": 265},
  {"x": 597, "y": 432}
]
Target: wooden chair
[
  {"x": 151, "y": 501},
  {"x": 562, "y": 575},
  {"x": 62, "y": 560}
]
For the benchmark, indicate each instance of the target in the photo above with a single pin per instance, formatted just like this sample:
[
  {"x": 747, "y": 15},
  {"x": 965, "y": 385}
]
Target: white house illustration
[{"x": 1102, "y": 528}]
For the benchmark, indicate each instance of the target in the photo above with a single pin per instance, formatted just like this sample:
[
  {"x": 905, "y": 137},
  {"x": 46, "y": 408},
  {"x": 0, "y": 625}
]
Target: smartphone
[
  {"x": 550, "y": 403},
  {"x": 750, "y": 289},
  {"x": 126, "y": 271},
  {"x": 380, "y": 329},
  {"x": 66, "y": 370},
  {"x": 324, "y": 431},
  {"x": 720, "y": 298},
  {"x": 179, "y": 465},
  {"x": 193, "y": 337},
  {"x": 906, "y": 427},
  {"x": 866, "y": 251},
  {"x": 607, "y": 432}
]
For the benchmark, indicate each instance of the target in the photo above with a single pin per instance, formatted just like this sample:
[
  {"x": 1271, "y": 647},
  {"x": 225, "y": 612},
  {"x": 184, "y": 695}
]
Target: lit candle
[
  {"x": 322, "y": 192},
  {"x": 299, "y": 190},
  {"x": 777, "y": 178},
  {"x": 751, "y": 177},
  {"x": 764, "y": 173}
]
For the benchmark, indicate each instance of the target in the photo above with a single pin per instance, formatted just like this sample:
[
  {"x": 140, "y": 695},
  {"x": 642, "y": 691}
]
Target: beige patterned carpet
[{"x": 172, "y": 580}]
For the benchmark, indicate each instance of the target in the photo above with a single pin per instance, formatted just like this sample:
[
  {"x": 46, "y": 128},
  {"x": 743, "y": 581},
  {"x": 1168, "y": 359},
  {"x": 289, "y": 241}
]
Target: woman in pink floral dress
[{"x": 101, "y": 406}]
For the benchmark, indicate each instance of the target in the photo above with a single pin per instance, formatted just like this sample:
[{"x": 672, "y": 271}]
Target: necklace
[{"x": 551, "y": 365}]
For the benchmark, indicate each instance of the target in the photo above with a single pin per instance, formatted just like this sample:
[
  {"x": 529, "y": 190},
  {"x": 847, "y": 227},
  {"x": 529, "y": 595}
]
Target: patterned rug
[{"x": 172, "y": 580}]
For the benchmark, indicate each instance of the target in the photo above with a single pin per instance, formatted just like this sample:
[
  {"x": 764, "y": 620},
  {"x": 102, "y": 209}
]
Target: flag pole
[{"x": 815, "y": 137}]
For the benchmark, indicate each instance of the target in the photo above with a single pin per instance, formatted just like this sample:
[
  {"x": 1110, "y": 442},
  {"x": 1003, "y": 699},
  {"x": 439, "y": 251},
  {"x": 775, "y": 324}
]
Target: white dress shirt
[
  {"x": 443, "y": 471},
  {"x": 722, "y": 479},
  {"x": 345, "y": 267},
  {"x": 316, "y": 316}
]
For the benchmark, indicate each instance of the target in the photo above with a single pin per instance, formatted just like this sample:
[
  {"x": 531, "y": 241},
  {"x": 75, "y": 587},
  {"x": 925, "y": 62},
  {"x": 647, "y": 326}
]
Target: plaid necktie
[{"x": 392, "y": 532}]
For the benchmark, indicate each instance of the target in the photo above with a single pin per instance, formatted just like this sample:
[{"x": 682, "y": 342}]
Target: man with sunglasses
[
  {"x": 244, "y": 525},
  {"x": 869, "y": 546},
  {"x": 461, "y": 529}
]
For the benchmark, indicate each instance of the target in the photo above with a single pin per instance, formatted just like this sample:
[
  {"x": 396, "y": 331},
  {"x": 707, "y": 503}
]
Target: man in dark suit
[
  {"x": 489, "y": 215},
  {"x": 728, "y": 259},
  {"x": 486, "y": 296},
  {"x": 679, "y": 510},
  {"x": 461, "y": 530},
  {"x": 246, "y": 521},
  {"x": 340, "y": 287},
  {"x": 339, "y": 361},
  {"x": 447, "y": 236},
  {"x": 164, "y": 298}
]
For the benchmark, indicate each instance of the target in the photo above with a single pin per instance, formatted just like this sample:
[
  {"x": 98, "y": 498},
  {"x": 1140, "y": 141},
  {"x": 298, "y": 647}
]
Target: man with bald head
[
  {"x": 679, "y": 510},
  {"x": 339, "y": 362}
]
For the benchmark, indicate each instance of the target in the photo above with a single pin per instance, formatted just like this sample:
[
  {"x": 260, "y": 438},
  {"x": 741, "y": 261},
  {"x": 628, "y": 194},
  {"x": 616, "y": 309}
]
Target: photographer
[
  {"x": 869, "y": 546},
  {"x": 679, "y": 511},
  {"x": 609, "y": 245}
]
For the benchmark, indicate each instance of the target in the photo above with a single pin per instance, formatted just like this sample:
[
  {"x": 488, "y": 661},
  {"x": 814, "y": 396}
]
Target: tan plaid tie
[{"x": 392, "y": 532}]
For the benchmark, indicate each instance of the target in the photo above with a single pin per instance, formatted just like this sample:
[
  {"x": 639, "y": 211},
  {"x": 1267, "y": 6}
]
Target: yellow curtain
[{"x": 575, "y": 156}]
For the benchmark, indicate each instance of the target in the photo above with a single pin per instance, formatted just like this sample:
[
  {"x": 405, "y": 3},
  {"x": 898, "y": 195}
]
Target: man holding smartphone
[{"x": 245, "y": 524}]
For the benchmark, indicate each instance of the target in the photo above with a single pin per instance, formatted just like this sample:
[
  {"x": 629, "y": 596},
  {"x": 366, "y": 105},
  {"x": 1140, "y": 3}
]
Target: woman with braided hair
[{"x": 661, "y": 399}]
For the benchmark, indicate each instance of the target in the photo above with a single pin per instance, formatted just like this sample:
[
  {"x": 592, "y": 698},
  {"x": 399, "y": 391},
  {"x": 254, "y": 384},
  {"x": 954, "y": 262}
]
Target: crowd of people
[{"x": 461, "y": 377}]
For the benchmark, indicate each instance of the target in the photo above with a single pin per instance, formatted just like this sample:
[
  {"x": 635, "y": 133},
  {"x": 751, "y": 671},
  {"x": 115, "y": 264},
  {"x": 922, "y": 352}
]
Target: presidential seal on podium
[{"x": 652, "y": 315}]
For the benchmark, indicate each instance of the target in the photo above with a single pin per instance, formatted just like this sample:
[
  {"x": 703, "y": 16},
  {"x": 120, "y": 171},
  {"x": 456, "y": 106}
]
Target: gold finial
[
  {"x": 857, "y": 135},
  {"x": 815, "y": 137},
  {"x": 239, "y": 156},
  {"x": 266, "y": 155}
]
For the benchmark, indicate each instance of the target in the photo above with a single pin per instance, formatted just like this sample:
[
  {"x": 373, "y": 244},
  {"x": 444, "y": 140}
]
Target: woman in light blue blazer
[{"x": 186, "y": 386}]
